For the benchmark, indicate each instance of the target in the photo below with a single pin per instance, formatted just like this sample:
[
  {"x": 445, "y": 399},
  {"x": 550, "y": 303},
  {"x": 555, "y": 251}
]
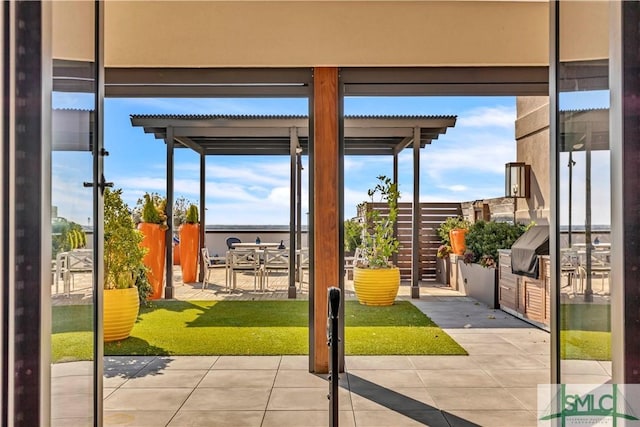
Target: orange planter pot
[
  {"x": 154, "y": 241},
  {"x": 458, "y": 245},
  {"x": 176, "y": 254},
  {"x": 189, "y": 247}
]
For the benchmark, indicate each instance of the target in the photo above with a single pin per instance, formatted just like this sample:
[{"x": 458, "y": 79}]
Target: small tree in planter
[
  {"x": 452, "y": 232},
  {"x": 125, "y": 282},
  {"x": 189, "y": 245},
  {"x": 153, "y": 227},
  {"x": 375, "y": 278}
]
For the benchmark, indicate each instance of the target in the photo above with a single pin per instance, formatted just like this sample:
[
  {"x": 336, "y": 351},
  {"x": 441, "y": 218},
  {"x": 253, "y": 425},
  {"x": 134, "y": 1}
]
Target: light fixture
[{"x": 516, "y": 180}]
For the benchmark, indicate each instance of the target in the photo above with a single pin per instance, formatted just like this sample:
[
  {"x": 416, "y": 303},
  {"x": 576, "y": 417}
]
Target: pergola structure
[{"x": 257, "y": 135}]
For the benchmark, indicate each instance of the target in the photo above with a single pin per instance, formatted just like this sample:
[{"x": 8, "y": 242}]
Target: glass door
[
  {"x": 584, "y": 193},
  {"x": 76, "y": 238}
]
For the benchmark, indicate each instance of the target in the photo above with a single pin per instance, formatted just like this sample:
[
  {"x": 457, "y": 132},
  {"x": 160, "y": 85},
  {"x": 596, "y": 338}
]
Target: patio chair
[
  {"x": 75, "y": 262},
  {"x": 243, "y": 260},
  {"x": 350, "y": 262},
  {"x": 274, "y": 260},
  {"x": 303, "y": 265},
  {"x": 231, "y": 241},
  {"x": 208, "y": 265}
]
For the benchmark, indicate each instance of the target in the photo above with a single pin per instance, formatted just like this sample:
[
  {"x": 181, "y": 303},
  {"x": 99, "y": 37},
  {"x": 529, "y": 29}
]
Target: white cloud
[{"x": 500, "y": 116}]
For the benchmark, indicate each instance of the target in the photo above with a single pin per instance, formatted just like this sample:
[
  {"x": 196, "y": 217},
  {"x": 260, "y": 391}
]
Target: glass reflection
[
  {"x": 585, "y": 198},
  {"x": 72, "y": 263}
]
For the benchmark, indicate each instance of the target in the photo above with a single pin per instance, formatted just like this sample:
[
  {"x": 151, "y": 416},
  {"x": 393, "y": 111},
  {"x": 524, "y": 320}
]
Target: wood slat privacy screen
[{"x": 431, "y": 216}]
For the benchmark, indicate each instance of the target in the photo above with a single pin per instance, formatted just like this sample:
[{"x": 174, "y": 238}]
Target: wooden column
[{"x": 325, "y": 207}]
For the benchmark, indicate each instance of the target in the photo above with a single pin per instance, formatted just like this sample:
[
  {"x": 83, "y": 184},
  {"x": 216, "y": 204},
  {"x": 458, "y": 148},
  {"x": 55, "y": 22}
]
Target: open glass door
[
  {"x": 584, "y": 193},
  {"x": 76, "y": 240}
]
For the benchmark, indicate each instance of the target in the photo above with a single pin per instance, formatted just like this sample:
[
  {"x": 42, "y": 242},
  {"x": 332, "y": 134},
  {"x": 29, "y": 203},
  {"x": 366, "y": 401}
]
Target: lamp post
[{"x": 571, "y": 164}]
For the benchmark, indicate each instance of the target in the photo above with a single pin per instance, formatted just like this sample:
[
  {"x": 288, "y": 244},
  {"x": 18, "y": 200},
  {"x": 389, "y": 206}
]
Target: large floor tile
[
  {"x": 305, "y": 419},
  {"x": 114, "y": 382},
  {"x": 71, "y": 406},
  {"x": 485, "y": 336},
  {"x": 290, "y": 378},
  {"x": 400, "y": 418},
  {"x": 125, "y": 366},
  {"x": 443, "y": 362},
  {"x": 474, "y": 398},
  {"x": 207, "y": 418},
  {"x": 489, "y": 362},
  {"x": 493, "y": 418},
  {"x": 582, "y": 367},
  {"x": 113, "y": 418},
  {"x": 295, "y": 362},
  {"x": 384, "y": 378},
  {"x": 378, "y": 362},
  {"x": 164, "y": 379},
  {"x": 72, "y": 422},
  {"x": 457, "y": 378},
  {"x": 71, "y": 368},
  {"x": 182, "y": 362},
  {"x": 247, "y": 362},
  {"x": 239, "y": 378},
  {"x": 521, "y": 377},
  {"x": 528, "y": 396},
  {"x": 242, "y": 399},
  {"x": 305, "y": 399},
  {"x": 379, "y": 399},
  {"x": 73, "y": 384},
  {"x": 143, "y": 399},
  {"x": 494, "y": 349},
  {"x": 585, "y": 379}
]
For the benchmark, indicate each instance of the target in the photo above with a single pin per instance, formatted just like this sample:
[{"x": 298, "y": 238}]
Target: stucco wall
[{"x": 532, "y": 142}]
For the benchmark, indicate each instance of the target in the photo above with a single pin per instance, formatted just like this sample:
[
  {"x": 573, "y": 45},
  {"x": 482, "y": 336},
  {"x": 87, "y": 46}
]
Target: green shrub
[
  {"x": 192, "y": 215},
  {"x": 352, "y": 235},
  {"x": 485, "y": 238},
  {"x": 153, "y": 209}
]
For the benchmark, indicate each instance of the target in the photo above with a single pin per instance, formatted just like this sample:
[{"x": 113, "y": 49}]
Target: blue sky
[{"x": 467, "y": 163}]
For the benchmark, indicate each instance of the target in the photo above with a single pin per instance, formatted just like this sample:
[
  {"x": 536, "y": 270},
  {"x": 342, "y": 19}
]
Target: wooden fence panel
[{"x": 431, "y": 216}]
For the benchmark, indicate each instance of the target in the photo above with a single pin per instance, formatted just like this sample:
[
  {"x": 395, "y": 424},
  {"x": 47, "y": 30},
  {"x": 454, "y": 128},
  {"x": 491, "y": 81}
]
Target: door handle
[{"x": 102, "y": 184}]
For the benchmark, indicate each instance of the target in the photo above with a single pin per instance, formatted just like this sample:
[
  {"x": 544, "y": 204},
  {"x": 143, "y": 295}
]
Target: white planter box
[{"x": 478, "y": 282}]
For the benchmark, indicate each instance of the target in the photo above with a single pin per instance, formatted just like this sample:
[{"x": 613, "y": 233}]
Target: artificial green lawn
[
  {"x": 585, "y": 331},
  {"x": 251, "y": 327}
]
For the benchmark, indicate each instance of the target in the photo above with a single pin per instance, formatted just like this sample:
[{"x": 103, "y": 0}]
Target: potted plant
[
  {"x": 189, "y": 245},
  {"x": 375, "y": 278},
  {"x": 125, "y": 282},
  {"x": 153, "y": 228},
  {"x": 452, "y": 232},
  {"x": 180, "y": 207}
]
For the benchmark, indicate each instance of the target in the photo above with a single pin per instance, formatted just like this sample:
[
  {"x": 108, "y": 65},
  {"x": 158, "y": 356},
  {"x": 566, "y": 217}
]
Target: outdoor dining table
[{"x": 261, "y": 245}]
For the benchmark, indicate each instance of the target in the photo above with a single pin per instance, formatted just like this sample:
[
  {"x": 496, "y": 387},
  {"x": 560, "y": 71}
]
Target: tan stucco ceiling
[{"x": 308, "y": 33}]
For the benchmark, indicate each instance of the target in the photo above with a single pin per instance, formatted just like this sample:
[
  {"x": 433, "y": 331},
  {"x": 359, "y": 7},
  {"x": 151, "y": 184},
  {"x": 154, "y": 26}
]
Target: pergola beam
[
  {"x": 402, "y": 144},
  {"x": 189, "y": 144}
]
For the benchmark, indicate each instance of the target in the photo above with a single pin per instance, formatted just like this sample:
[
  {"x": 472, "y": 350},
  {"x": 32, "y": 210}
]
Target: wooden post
[{"x": 325, "y": 207}]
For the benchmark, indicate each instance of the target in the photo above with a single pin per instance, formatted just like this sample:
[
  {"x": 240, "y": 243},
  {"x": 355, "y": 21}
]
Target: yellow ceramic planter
[
  {"x": 376, "y": 286},
  {"x": 120, "y": 313}
]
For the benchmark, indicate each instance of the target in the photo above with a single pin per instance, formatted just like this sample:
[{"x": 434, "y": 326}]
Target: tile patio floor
[{"x": 494, "y": 386}]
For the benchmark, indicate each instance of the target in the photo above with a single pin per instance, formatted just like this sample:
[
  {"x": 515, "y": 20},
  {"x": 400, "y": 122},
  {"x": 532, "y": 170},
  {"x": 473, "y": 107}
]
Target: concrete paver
[{"x": 494, "y": 385}]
